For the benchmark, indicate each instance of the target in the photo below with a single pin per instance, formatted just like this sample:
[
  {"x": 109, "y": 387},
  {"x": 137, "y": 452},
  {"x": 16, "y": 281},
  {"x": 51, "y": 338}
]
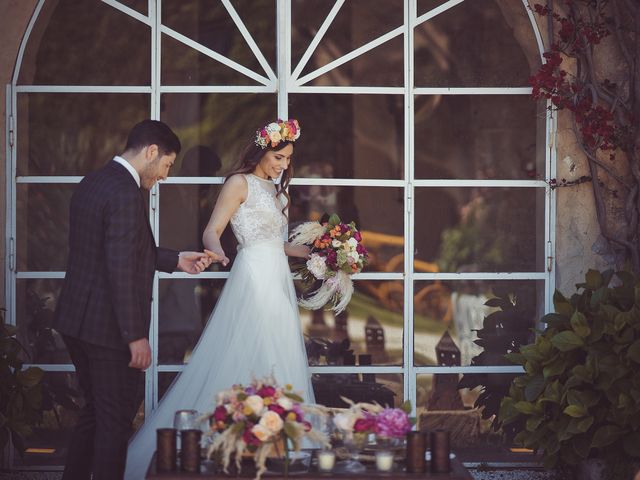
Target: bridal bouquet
[
  {"x": 336, "y": 254},
  {"x": 261, "y": 418}
]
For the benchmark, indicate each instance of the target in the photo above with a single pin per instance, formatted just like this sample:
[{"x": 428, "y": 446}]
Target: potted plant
[
  {"x": 579, "y": 397},
  {"x": 20, "y": 391}
]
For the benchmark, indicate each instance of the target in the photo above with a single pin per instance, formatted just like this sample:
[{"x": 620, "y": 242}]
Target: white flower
[
  {"x": 272, "y": 422},
  {"x": 285, "y": 403},
  {"x": 336, "y": 243},
  {"x": 344, "y": 421},
  {"x": 261, "y": 432},
  {"x": 317, "y": 265},
  {"x": 354, "y": 255},
  {"x": 273, "y": 127},
  {"x": 353, "y": 243},
  {"x": 255, "y": 403},
  {"x": 275, "y": 136}
]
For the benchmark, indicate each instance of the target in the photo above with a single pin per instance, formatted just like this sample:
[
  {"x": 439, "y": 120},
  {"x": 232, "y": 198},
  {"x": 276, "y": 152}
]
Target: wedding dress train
[{"x": 254, "y": 329}]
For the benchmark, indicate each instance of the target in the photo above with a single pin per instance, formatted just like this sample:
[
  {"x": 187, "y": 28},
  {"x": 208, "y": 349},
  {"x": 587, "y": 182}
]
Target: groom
[{"x": 104, "y": 309}]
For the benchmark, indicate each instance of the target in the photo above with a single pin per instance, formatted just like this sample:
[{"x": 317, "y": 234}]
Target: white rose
[
  {"x": 317, "y": 265},
  {"x": 273, "y": 127},
  {"x": 336, "y": 243},
  {"x": 261, "y": 432},
  {"x": 255, "y": 403},
  {"x": 353, "y": 243},
  {"x": 272, "y": 422},
  {"x": 355, "y": 256},
  {"x": 344, "y": 421},
  {"x": 285, "y": 403}
]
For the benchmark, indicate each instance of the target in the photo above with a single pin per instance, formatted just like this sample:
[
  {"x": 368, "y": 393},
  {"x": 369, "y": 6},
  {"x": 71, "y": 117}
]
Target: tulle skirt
[{"x": 254, "y": 330}]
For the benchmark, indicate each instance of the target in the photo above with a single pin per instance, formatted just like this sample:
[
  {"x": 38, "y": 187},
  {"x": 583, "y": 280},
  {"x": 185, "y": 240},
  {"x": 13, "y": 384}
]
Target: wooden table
[{"x": 207, "y": 471}]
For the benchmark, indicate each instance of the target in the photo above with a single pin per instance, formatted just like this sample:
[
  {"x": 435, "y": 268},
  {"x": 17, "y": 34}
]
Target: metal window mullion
[
  {"x": 481, "y": 276},
  {"x": 552, "y": 121},
  {"x": 217, "y": 89},
  {"x": 83, "y": 89},
  {"x": 473, "y": 91},
  {"x": 435, "y": 369},
  {"x": 10, "y": 210},
  {"x": 53, "y": 275},
  {"x": 23, "y": 44},
  {"x": 334, "y": 89},
  {"x": 53, "y": 179},
  {"x": 130, "y": 11},
  {"x": 283, "y": 52},
  {"x": 409, "y": 377},
  {"x": 480, "y": 183}
]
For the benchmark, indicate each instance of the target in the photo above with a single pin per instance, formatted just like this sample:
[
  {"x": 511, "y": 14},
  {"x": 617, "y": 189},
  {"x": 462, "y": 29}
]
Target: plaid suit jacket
[{"x": 106, "y": 297}]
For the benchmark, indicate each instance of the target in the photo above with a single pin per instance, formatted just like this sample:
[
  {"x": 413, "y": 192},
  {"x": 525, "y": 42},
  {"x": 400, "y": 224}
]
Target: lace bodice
[{"x": 259, "y": 217}]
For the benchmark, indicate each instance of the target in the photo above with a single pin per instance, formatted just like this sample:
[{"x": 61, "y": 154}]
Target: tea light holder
[
  {"x": 326, "y": 460},
  {"x": 166, "y": 451},
  {"x": 190, "y": 453},
  {"x": 440, "y": 450},
  {"x": 384, "y": 461}
]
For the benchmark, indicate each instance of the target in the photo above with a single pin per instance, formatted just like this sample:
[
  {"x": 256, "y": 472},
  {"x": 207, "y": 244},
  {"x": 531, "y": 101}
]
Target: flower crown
[{"x": 276, "y": 132}]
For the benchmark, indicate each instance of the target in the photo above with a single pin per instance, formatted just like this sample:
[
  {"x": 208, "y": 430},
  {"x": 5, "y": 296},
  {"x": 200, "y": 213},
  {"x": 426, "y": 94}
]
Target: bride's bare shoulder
[{"x": 236, "y": 185}]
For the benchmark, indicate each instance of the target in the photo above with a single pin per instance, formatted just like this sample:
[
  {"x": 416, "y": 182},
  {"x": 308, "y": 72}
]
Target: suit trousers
[{"x": 112, "y": 392}]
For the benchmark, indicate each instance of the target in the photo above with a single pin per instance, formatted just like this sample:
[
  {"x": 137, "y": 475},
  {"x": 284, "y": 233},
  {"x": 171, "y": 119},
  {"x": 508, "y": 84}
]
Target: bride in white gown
[{"x": 254, "y": 329}]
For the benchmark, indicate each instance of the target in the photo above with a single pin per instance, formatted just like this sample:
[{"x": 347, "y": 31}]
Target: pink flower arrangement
[
  {"x": 372, "y": 418},
  {"x": 259, "y": 418}
]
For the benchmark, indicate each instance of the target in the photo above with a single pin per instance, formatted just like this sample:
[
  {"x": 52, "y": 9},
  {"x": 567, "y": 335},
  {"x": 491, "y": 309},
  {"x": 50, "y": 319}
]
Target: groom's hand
[
  {"x": 193, "y": 262},
  {"x": 140, "y": 354}
]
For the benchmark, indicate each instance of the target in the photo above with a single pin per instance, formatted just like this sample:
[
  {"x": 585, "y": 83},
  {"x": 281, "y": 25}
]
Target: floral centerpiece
[
  {"x": 336, "y": 254},
  {"x": 262, "y": 418},
  {"x": 368, "y": 418}
]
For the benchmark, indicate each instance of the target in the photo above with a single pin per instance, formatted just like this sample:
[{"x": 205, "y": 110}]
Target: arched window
[{"x": 418, "y": 124}]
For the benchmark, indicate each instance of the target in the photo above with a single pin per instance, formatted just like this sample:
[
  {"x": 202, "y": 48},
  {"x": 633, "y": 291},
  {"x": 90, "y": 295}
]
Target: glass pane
[
  {"x": 307, "y": 17},
  {"x": 487, "y": 43},
  {"x": 36, "y": 301},
  {"x": 141, "y": 6},
  {"x": 222, "y": 123},
  {"x": 386, "y": 389},
  {"x": 259, "y": 16},
  {"x": 62, "y": 400},
  {"x": 182, "y": 65},
  {"x": 448, "y": 315},
  {"x": 208, "y": 23},
  {"x": 74, "y": 133},
  {"x": 441, "y": 404},
  {"x": 185, "y": 212},
  {"x": 184, "y": 308},
  {"x": 358, "y": 22},
  {"x": 42, "y": 226},
  {"x": 349, "y": 136},
  {"x": 86, "y": 43},
  {"x": 382, "y": 66},
  {"x": 164, "y": 382},
  {"x": 424, "y": 6},
  {"x": 377, "y": 211},
  {"x": 479, "y": 229},
  {"x": 368, "y": 332},
  {"x": 479, "y": 137}
]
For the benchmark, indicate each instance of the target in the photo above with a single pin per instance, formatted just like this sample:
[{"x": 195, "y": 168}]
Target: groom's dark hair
[{"x": 153, "y": 132}]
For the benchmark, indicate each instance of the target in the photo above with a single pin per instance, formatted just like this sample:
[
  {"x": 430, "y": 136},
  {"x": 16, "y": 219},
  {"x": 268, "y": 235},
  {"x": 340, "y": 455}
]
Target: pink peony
[
  {"x": 220, "y": 414},
  {"x": 393, "y": 422},
  {"x": 266, "y": 391}
]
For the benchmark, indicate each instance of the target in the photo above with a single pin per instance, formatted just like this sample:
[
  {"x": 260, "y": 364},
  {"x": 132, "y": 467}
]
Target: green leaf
[
  {"x": 294, "y": 397},
  {"x": 575, "y": 411},
  {"x": 30, "y": 377},
  {"x": 633, "y": 353},
  {"x": 552, "y": 393},
  {"x": 583, "y": 424},
  {"x": 606, "y": 435},
  {"x": 406, "y": 406},
  {"x": 516, "y": 358},
  {"x": 525, "y": 407},
  {"x": 581, "y": 445},
  {"x": 334, "y": 220},
  {"x": 567, "y": 341},
  {"x": 580, "y": 325},
  {"x": 599, "y": 296},
  {"x": 555, "y": 368},
  {"x": 562, "y": 305},
  {"x": 533, "y": 423},
  {"x": 534, "y": 388},
  {"x": 290, "y": 430},
  {"x": 594, "y": 279}
]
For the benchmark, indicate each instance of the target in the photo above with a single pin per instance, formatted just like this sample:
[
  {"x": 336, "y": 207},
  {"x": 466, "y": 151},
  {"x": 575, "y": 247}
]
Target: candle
[
  {"x": 440, "y": 441},
  {"x": 416, "y": 448},
  {"x": 166, "y": 449},
  {"x": 326, "y": 460},
  {"x": 384, "y": 461},
  {"x": 190, "y": 453}
]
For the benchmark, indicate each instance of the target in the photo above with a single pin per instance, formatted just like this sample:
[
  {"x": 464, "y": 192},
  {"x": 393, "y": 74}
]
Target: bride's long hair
[{"x": 249, "y": 160}]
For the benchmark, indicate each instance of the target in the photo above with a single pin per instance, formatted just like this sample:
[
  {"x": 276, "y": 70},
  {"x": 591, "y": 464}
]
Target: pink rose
[
  {"x": 367, "y": 424},
  {"x": 357, "y": 236},
  {"x": 266, "y": 391},
  {"x": 220, "y": 414}
]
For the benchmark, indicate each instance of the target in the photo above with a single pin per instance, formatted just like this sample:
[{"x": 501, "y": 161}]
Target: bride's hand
[{"x": 217, "y": 256}]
